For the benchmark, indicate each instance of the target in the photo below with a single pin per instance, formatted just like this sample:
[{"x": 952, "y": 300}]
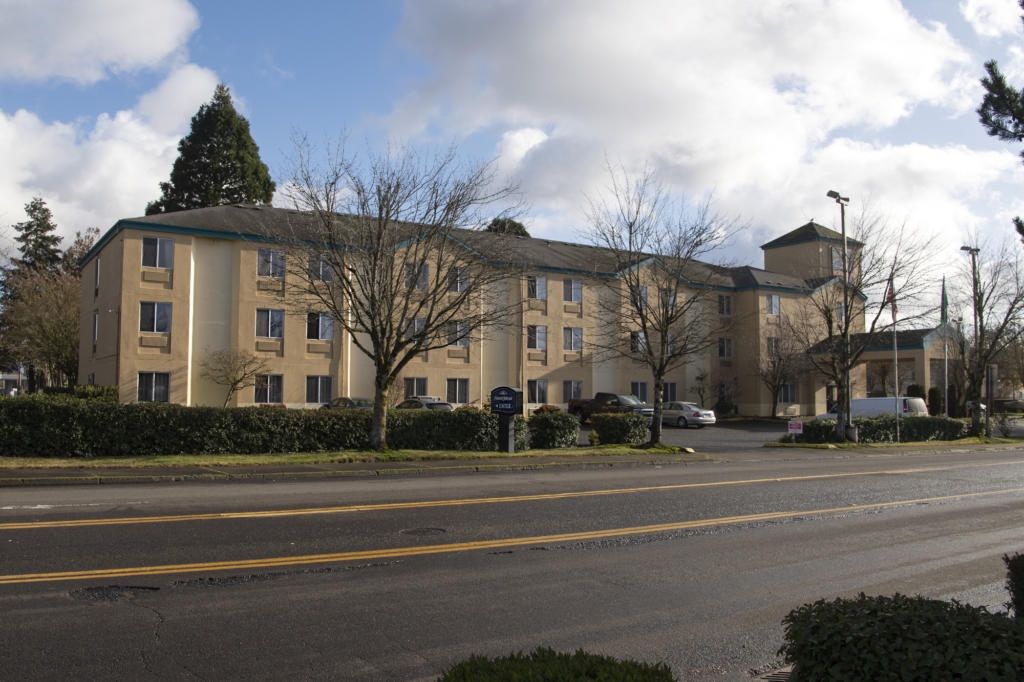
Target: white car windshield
[{"x": 629, "y": 400}]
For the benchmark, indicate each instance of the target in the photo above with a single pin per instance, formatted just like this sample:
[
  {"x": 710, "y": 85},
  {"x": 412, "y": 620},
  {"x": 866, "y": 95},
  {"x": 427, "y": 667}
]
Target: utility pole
[{"x": 848, "y": 432}]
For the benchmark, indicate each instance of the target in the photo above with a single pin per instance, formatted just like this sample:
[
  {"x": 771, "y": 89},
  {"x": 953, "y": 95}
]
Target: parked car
[
  {"x": 685, "y": 415},
  {"x": 349, "y": 404},
  {"x": 422, "y": 403},
  {"x": 582, "y": 408}
]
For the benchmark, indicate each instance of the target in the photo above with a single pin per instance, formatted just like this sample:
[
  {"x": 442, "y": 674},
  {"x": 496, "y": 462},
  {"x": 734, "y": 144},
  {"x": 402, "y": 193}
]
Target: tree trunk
[
  {"x": 378, "y": 429},
  {"x": 659, "y": 406}
]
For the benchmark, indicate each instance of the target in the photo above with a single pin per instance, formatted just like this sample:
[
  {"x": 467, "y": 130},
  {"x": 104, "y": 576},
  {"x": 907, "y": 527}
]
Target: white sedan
[{"x": 686, "y": 414}]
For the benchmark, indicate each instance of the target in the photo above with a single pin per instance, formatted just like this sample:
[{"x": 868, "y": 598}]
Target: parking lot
[{"x": 722, "y": 437}]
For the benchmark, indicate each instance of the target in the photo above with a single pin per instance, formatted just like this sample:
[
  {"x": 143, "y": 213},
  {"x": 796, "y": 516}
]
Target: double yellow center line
[{"x": 376, "y": 554}]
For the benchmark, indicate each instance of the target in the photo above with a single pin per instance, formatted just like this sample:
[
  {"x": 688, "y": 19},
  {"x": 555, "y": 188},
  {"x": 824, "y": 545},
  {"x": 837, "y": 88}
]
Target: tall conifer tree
[
  {"x": 37, "y": 238},
  {"x": 218, "y": 162}
]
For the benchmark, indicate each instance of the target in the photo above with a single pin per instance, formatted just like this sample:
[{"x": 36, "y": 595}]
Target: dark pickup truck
[{"x": 607, "y": 402}]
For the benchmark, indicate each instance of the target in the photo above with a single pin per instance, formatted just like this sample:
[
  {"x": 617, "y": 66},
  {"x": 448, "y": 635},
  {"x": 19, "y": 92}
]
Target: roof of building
[
  {"x": 258, "y": 223},
  {"x": 812, "y": 231},
  {"x": 906, "y": 339}
]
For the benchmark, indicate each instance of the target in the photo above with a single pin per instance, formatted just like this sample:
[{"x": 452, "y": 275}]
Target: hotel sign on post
[{"x": 507, "y": 402}]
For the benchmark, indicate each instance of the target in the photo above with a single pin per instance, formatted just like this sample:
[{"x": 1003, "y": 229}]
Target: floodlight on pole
[{"x": 847, "y": 402}]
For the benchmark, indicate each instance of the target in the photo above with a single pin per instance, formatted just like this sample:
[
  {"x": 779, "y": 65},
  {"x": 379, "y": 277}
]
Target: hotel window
[
  {"x": 572, "y": 291},
  {"x": 269, "y": 323},
  {"x": 840, "y": 314},
  {"x": 572, "y": 389},
  {"x": 668, "y": 391},
  {"x": 458, "y": 390},
  {"x": 319, "y": 326},
  {"x": 415, "y": 386},
  {"x": 96, "y": 279},
  {"x": 637, "y": 342},
  {"x": 638, "y": 297},
  {"x": 536, "y": 337},
  {"x": 772, "y": 346},
  {"x": 154, "y": 387},
  {"x": 668, "y": 300},
  {"x": 724, "y": 304},
  {"x": 536, "y": 287},
  {"x": 639, "y": 389},
  {"x": 157, "y": 252},
  {"x": 154, "y": 317},
  {"x": 837, "y": 261},
  {"x": 724, "y": 347},
  {"x": 572, "y": 338},
  {"x": 319, "y": 269},
  {"x": 458, "y": 333},
  {"x": 269, "y": 389},
  {"x": 771, "y": 304},
  {"x": 414, "y": 327},
  {"x": 458, "y": 280},
  {"x": 318, "y": 389},
  {"x": 417, "y": 276},
  {"x": 537, "y": 390},
  {"x": 95, "y": 329},
  {"x": 787, "y": 394},
  {"x": 271, "y": 263}
]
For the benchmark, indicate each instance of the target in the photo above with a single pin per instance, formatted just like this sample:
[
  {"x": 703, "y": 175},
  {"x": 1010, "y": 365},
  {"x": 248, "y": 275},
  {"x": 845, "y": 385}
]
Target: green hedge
[
  {"x": 901, "y": 638},
  {"x": 554, "y": 430},
  {"x": 61, "y": 426},
  {"x": 1015, "y": 583},
  {"x": 883, "y": 429},
  {"x": 629, "y": 428},
  {"x": 545, "y": 665}
]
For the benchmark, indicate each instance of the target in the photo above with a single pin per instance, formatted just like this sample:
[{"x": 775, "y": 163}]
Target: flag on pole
[
  {"x": 890, "y": 297},
  {"x": 944, "y": 316}
]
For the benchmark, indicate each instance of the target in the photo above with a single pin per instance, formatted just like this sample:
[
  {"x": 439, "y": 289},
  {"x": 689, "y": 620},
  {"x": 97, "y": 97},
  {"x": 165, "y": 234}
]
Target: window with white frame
[
  {"x": 637, "y": 342},
  {"x": 417, "y": 276},
  {"x": 157, "y": 252},
  {"x": 668, "y": 391},
  {"x": 537, "y": 390},
  {"x": 154, "y": 317},
  {"x": 269, "y": 323},
  {"x": 154, "y": 387},
  {"x": 537, "y": 287},
  {"x": 458, "y": 390},
  {"x": 319, "y": 326},
  {"x": 572, "y": 291},
  {"x": 638, "y": 297},
  {"x": 724, "y": 304},
  {"x": 837, "y": 261},
  {"x": 536, "y": 336},
  {"x": 319, "y": 269},
  {"x": 840, "y": 313},
  {"x": 572, "y": 389},
  {"x": 771, "y": 304},
  {"x": 318, "y": 389},
  {"x": 458, "y": 333},
  {"x": 96, "y": 279},
  {"x": 572, "y": 339},
  {"x": 415, "y": 386},
  {"x": 458, "y": 280},
  {"x": 95, "y": 329},
  {"x": 270, "y": 263},
  {"x": 668, "y": 300},
  {"x": 787, "y": 393},
  {"x": 639, "y": 389},
  {"x": 724, "y": 347},
  {"x": 772, "y": 346},
  {"x": 269, "y": 389},
  {"x": 414, "y": 329}
]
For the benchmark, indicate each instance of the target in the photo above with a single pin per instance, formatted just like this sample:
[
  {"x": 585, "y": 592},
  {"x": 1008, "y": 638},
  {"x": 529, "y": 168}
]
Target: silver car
[{"x": 684, "y": 415}]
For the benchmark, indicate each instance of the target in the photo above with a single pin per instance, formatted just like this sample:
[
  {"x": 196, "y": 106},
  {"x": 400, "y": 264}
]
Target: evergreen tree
[
  {"x": 218, "y": 162},
  {"x": 1002, "y": 111},
  {"x": 508, "y": 226},
  {"x": 38, "y": 243}
]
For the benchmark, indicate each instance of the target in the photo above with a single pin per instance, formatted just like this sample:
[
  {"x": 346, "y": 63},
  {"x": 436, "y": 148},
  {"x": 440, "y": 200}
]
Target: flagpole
[
  {"x": 945, "y": 352},
  {"x": 896, "y": 372}
]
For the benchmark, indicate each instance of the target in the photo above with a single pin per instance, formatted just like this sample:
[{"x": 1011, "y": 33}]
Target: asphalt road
[{"x": 399, "y": 578}]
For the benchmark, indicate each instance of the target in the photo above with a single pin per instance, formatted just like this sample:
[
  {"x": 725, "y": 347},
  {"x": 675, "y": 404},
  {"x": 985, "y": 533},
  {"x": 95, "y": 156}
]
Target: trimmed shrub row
[
  {"x": 618, "y": 427},
  {"x": 62, "y": 426},
  {"x": 901, "y": 638},
  {"x": 545, "y": 665},
  {"x": 551, "y": 429},
  {"x": 883, "y": 429}
]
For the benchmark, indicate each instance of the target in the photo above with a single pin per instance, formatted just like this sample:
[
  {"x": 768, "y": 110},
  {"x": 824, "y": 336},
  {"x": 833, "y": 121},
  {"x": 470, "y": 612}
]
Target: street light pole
[
  {"x": 973, "y": 250},
  {"x": 847, "y": 402}
]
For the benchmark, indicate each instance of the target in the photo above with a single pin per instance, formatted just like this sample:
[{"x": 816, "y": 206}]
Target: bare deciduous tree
[
  {"x": 783, "y": 362},
  {"x": 658, "y": 307},
  {"x": 857, "y": 307},
  {"x": 43, "y": 322},
  {"x": 233, "y": 369},
  {"x": 394, "y": 250}
]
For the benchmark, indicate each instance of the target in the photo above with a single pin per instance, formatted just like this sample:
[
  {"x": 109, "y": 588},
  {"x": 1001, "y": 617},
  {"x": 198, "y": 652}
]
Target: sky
[{"x": 761, "y": 106}]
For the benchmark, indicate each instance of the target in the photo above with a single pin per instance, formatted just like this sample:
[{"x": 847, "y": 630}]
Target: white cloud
[
  {"x": 92, "y": 173},
  {"x": 85, "y": 40},
  {"x": 991, "y": 18}
]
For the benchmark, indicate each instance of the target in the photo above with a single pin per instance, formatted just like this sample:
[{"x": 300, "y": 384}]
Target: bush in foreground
[
  {"x": 883, "y": 429},
  {"x": 545, "y": 665},
  {"x": 613, "y": 428},
  {"x": 553, "y": 430},
  {"x": 901, "y": 638},
  {"x": 1015, "y": 583}
]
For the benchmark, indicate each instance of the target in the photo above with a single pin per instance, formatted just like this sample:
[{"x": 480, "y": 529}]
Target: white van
[{"x": 875, "y": 407}]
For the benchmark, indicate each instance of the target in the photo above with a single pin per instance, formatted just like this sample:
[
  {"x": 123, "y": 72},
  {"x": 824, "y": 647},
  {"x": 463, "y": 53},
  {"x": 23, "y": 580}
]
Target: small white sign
[{"x": 796, "y": 427}]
